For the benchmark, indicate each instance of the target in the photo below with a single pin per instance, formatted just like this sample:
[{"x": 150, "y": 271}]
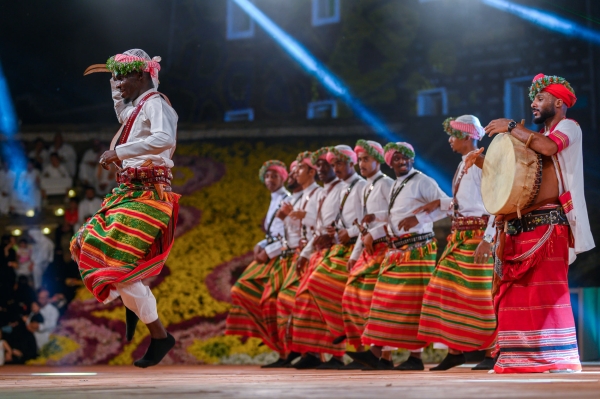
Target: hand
[
  {"x": 368, "y": 219},
  {"x": 285, "y": 209},
  {"x": 17, "y": 353},
  {"x": 350, "y": 265},
  {"x": 483, "y": 252},
  {"x": 408, "y": 223},
  {"x": 298, "y": 215},
  {"x": 107, "y": 158},
  {"x": 301, "y": 265},
  {"x": 331, "y": 231},
  {"x": 497, "y": 126},
  {"x": 260, "y": 255},
  {"x": 367, "y": 240},
  {"x": 471, "y": 158},
  {"x": 432, "y": 206},
  {"x": 343, "y": 236}
]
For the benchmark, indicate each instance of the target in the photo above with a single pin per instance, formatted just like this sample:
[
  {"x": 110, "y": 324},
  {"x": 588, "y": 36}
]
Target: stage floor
[{"x": 173, "y": 382}]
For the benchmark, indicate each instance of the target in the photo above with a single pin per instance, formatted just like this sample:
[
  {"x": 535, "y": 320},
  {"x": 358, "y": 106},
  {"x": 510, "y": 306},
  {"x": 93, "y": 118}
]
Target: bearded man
[{"x": 536, "y": 330}]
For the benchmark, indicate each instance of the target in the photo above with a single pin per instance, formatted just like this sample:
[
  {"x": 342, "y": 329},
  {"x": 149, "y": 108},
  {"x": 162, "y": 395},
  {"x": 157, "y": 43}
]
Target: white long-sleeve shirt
[
  {"x": 293, "y": 227},
  {"x": 377, "y": 194},
  {"x": 468, "y": 196},
  {"x": 68, "y": 155},
  {"x": 276, "y": 228},
  {"x": 310, "y": 204},
  {"x": 328, "y": 205},
  {"x": 420, "y": 190},
  {"x": 51, "y": 315},
  {"x": 353, "y": 207},
  {"x": 153, "y": 134}
]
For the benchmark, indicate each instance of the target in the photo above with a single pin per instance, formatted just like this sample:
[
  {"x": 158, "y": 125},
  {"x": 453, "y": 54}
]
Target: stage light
[
  {"x": 72, "y": 193},
  {"x": 546, "y": 20},
  {"x": 46, "y": 230},
  {"x": 59, "y": 212},
  {"x": 332, "y": 83},
  {"x": 17, "y": 232},
  {"x": 30, "y": 213}
]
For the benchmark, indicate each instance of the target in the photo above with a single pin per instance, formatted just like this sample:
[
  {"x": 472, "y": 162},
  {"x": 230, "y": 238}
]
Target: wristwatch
[
  {"x": 511, "y": 126},
  {"x": 488, "y": 238}
]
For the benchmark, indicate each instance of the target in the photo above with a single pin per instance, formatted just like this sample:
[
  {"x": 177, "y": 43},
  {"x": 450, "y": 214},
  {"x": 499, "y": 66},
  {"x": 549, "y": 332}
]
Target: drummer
[
  {"x": 457, "y": 306},
  {"x": 536, "y": 330}
]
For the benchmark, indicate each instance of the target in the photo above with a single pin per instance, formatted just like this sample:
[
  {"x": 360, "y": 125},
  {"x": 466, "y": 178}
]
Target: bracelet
[{"x": 488, "y": 238}]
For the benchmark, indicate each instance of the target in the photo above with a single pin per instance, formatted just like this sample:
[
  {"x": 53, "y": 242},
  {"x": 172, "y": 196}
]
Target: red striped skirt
[
  {"x": 457, "y": 305},
  {"x": 286, "y": 299},
  {"x": 536, "y": 330},
  {"x": 397, "y": 297},
  {"x": 356, "y": 301}
]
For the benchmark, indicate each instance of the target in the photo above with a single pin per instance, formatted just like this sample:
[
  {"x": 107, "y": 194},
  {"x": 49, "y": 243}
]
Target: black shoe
[
  {"x": 366, "y": 358},
  {"x": 308, "y": 362},
  {"x": 411, "y": 364},
  {"x": 339, "y": 339},
  {"x": 449, "y": 362},
  {"x": 385, "y": 364},
  {"x": 131, "y": 321},
  {"x": 290, "y": 358},
  {"x": 487, "y": 364},
  {"x": 279, "y": 363},
  {"x": 156, "y": 351},
  {"x": 333, "y": 364},
  {"x": 354, "y": 365}
]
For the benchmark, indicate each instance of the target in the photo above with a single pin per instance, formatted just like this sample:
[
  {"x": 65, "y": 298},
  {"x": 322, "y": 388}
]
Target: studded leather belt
[
  {"x": 470, "y": 222},
  {"x": 535, "y": 219},
  {"x": 397, "y": 242},
  {"x": 146, "y": 175}
]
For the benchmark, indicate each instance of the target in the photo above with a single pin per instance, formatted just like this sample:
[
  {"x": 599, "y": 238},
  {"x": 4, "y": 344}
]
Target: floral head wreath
[
  {"x": 542, "y": 83},
  {"x": 134, "y": 60},
  {"x": 275, "y": 165},
  {"x": 453, "y": 132},
  {"x": 399, "y": 148},
  {"x": 339, "y": 155},
  {"x": 320, "y": 153},
  {"x": 370, "y": 150},
  {"x": 303, "y": 155}
]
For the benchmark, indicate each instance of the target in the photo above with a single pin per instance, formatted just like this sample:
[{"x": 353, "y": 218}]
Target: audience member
[
  {"x": 22, "y": 338},
  {"x": 72, "y": 212},
  {"x": 26, "y": 194},
  {"x": 24, "y": 259},
  {"x": 40, "y": 153},
  {"x": 89, "y": 164},
  {"x": 66, "y": 153},
  {"x": 105, "y": 179},
  {"x": 50, "y": 314},
  {"x": 55, "y": 169},
  {"x": 43, "y": 254},
  {"x": 88, "y": 206},
  {"x": 5, "y": 351}
]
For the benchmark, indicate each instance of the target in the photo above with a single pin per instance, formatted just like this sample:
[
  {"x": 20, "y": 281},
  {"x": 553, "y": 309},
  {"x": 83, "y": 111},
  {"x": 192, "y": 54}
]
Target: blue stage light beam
[
  {"x": 333, "y": 84},
  {"x": 547, "y": 20},
  {"x": 12, "y": 153}
]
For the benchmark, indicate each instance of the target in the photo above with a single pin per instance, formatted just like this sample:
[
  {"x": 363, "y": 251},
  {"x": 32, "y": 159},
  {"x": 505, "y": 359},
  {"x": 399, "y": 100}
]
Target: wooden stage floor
[{"x": 251, "y": 382}]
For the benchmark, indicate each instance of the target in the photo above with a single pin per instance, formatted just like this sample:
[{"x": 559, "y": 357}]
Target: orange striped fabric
[{"x": 286, "y": 299}]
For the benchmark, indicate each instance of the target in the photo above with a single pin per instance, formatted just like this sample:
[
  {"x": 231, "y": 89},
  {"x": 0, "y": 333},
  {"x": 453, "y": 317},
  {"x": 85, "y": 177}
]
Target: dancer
[
  {"x": 130, "y": 237},
  {"x": 457, "y": 305},
  {"x": 246, "y": 317},
  {"x": 396, "y": 300},
  {"x": 368, "y": 253},
  {"x": 536, "y": 330},
  {"x": 302, "y": 219},
  {"x": 310, "y": 334}
]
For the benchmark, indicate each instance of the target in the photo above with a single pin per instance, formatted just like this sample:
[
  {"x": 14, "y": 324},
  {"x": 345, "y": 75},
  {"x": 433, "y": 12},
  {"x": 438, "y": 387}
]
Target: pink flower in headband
[{"x": 152, "y": 66}]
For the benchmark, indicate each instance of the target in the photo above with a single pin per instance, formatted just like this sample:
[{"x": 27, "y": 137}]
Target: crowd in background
[
  {"x": 51, "y": 171},
  {"x": 38, "y": 278}
]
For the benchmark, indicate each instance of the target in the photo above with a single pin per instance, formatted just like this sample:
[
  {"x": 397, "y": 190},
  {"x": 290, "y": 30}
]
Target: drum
[{"x": 512, "y": 174}]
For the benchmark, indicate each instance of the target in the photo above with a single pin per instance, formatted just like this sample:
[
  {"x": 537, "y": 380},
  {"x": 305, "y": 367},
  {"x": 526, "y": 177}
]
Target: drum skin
[{"x": 511, "y": 176}]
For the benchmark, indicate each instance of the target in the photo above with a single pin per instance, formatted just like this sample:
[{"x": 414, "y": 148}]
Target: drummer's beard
[{"x": 545, "y": 113}]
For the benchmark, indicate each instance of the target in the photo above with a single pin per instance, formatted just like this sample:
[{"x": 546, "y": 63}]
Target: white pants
[{"x": 138, "y": 298}]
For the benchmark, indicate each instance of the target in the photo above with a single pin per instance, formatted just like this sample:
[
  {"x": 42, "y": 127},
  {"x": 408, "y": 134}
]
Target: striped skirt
[
  {"x": 536, "y": 330},
  {"x": 246, "y": 316},
  {"x": 309, "y": 329},
  {"x": 286, "y": 299},
  {"x": 356, "y": 301},
  {"x": 127, "y": 240},
  {"x": 457, "y": 305},
  {"x": 327, "y": 284},
  {"x": 398, "y": 296}
]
